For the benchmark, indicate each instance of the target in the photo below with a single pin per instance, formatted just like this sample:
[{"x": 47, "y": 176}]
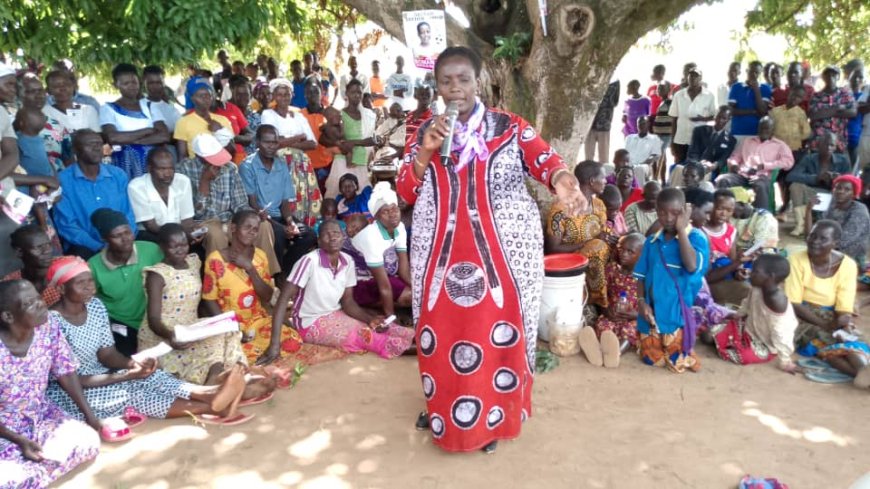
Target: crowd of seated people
[{"x": 249, "y": 194}]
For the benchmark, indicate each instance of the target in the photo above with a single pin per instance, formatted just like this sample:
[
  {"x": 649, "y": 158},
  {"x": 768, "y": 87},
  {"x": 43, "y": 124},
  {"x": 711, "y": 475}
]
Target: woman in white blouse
[{"x": 61, "y": 86}]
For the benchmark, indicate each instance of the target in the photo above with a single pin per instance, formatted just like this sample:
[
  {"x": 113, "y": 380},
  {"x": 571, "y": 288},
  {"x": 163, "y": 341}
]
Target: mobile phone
[{"x": 199, "y": 232}]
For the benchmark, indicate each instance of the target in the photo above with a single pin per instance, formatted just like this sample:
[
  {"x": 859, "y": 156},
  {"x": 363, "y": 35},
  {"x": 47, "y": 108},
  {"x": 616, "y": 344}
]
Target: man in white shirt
[
  {"x": 644, "y": 149},
  {"x": 724, "y": 89},
  {"x": 353, "y": 75},
  {"x": 161, "y": 196},
  {"x": 155, "y": 90},
  {"x": 400, "y": 87},
  {"x": 692, "y": 106}
]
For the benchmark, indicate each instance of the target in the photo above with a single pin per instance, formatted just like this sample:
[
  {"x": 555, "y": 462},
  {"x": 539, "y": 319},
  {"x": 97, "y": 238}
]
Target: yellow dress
[
  {"x": 181, "y": 294},
  {"x": 584, "y": 230},
  {"x": 233, "y": 290}
]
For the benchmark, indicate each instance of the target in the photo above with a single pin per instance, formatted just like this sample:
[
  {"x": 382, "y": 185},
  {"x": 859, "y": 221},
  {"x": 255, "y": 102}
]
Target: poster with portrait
[{"x": 426, "y": 35}]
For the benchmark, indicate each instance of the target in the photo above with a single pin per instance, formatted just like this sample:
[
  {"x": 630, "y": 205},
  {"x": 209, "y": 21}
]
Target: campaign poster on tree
[{"x": 426, "y": 35}]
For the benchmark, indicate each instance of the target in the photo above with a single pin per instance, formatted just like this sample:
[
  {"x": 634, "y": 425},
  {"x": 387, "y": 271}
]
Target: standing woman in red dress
[{"x": 477, "y": 260}]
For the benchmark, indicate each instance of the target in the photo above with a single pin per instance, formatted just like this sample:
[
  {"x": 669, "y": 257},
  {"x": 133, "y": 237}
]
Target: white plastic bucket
[{"x": 567, "y": 294}]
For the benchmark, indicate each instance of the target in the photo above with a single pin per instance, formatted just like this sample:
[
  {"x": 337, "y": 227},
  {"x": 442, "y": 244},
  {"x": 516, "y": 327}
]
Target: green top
[
  {"x": 353, "y": 130},
  {"x": 121, "y": 288}
]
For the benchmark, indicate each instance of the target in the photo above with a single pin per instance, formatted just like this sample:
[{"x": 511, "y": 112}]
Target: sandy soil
[{"x": 349, "y": 424}]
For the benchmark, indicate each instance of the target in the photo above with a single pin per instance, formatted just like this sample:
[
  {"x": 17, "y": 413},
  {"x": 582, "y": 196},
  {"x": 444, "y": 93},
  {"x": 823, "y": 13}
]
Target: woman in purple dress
[
  {"x": 636, "y": 105},
  {"x": 38, "y": 442}
]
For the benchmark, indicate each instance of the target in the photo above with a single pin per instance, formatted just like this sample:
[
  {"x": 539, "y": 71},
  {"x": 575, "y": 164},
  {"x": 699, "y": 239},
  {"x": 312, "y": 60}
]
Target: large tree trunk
[{"x": 559, "y": 85}]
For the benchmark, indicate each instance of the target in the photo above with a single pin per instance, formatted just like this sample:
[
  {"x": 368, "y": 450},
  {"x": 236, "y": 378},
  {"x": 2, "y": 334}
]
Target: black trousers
[{"x": 290, "y": 251}]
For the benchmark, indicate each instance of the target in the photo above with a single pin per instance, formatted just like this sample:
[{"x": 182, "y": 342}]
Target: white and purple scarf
[{"x": 468, "y": 139}]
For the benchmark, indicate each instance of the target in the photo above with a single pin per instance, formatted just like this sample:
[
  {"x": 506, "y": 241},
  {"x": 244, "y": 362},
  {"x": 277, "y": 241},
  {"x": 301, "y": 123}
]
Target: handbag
[{"x": 690, "y": 327}]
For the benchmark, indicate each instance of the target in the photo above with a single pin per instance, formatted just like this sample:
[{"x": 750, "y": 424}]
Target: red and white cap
[{"x": 207, "y": 147}]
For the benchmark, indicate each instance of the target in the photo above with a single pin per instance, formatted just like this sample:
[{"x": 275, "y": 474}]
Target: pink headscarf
[{"x": 65, "y": 269}]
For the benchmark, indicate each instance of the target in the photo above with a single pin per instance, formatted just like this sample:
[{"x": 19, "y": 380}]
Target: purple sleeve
[{"x": 713, "y": 312}]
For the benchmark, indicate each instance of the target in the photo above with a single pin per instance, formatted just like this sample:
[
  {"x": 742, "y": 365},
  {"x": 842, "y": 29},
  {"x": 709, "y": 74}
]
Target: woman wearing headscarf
[
  {"x": 294, "y": 139},
  {"x": 477, "y": 260},
  {"x": 38, "y": 441},
  {"x": 200, "y": 97},
  {"x": 852, "y": 216},
  {"x": 359, "y": 138}
]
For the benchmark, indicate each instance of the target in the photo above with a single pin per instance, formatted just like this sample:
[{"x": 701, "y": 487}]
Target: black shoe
[
  {"x": 489, "y": 449},
  {"x": 422, "y": 421}
]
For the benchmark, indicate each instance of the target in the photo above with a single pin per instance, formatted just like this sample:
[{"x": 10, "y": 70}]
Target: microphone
[{"x": 452, "y": 113}]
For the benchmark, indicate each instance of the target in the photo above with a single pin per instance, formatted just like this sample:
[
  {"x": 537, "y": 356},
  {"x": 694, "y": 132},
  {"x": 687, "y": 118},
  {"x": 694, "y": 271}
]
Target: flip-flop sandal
[
  {"x": 213, "y": 419},
  {"x": 115, "y": 431},
  {"x": 590, "y": 346},
  {"x": 132, "y": 417},
  {"x": 815, "y": 365},
  {"x": 826, "y": 377},
  {"x": 257, "y": 400},
  {"x": 610, "y": 349},
  {"x": 232, "y": 388}
]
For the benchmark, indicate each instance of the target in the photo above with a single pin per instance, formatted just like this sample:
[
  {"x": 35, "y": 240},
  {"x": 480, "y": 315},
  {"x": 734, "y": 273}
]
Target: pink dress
[{"x": 26, "y": 411}]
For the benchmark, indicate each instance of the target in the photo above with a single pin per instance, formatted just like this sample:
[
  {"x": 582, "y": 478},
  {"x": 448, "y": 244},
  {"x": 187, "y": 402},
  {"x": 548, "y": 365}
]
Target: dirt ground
[{"x": 349, "y": 424}]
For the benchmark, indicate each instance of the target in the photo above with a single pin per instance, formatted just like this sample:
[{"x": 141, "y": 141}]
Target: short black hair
[
  {"x": 124, "y": 69},
  {"x": 587, "y": 170},
  {"x": 636, "y": 237},
  {"x": 774, "y": 264},
  {"x": 832, "y": 224},
  {"x": 328, "y": 202},
  {"x": 240, "y": 216},
  {"x": 20, "y": 237},
  {"x": 620, "y": 152},
  {"x": 59, "y": 74},
  {"x": 692, "y": 165},
  {"x": 169, "y": 230},
  {"x": 610, "y": 194},
  {"x": 153, "y": 70},
  {"x": 463, "y": 52},
  {"x": 756, "y": 63},
  {"x": 81, "y": 134},
  {"x": 295, "y": 62},
  {"x": 724, "y": 193},
  {"x": 329, "y": 222},
  {"x": 670, "y": 195},
  {"x": 421, "y": 24},
  {"x": 263, "y": 129},
  {"x": 353, "y": 83},
  {"x": 237, "y": 81},
  {"x": 157, "y": 151},
  {"x": 698, "y": 197}
]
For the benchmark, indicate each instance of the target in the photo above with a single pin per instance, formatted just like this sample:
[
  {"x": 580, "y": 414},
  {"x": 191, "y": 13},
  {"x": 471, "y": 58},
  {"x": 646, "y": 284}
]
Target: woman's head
[
  {"x": 702, "y": 206},
  {"x": 126, "y": 79},
  {"x": 384, "y": 205},
  {"x": 424, "y": 31},
  {"x": 625, "y": 177},
  {"x": 173, "y": 242},
  {"x": 628, "y": 249},
  {"x": 693, "y": 174},
  {"x": 457, "y": 75},
  {"x": 33, "y": 247},
  {"x": 73, "y": 276},
  {"x": 723, "y": 206},
  {"x": 664, "y": 90},
  {"x": 354, "y": 93},
  {"x": 31, "y": 92},
  {"x": 612, "y": 199},
  {"x": 244, "y": 227},
  {"x": 590, "y": 174},
  {"x": 824, "y": 238},
  {"x": 846, "y": 188},
  {"x": 312, "y": 92},
  {"x": 282, "y": 92},
  {"x": 633, "y": 87},
  {"x": 202, "y": 95},
  {"x": 330, "y": 238},
  {"x": 240, "y": 91},
  {"x": 61, "y": 84},
  {"x": 831, "y": 75},
  {"x": 669, "y": 206},
  {"x": 114, "y": 229},
  {"x": 348, "y": 186},
  {"x": 21, "y": 304},
  {"x": 261, "y": 94}
]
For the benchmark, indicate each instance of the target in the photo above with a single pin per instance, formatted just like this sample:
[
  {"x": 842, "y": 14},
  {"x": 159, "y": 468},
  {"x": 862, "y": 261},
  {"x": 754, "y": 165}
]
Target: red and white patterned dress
[{"x": 477, "y": 264}]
